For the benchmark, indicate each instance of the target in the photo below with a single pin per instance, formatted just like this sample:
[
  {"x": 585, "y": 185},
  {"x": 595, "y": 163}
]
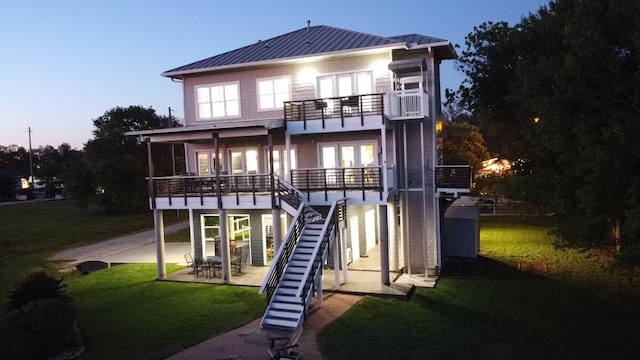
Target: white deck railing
[{"x": 407, "y": 104}]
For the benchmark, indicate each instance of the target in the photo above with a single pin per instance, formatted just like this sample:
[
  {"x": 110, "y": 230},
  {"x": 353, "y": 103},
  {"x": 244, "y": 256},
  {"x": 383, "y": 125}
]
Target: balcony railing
[
  {"x": 184, "y": 187},
  {"x": 407, "y": 104},
  {"x": 338, "y": 179},
  {"x": 345, "y": 108},
  {"x": 453, "y": 177}
]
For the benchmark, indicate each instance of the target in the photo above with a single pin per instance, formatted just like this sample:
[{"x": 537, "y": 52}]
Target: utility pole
[{"x": 31, "y": 179}]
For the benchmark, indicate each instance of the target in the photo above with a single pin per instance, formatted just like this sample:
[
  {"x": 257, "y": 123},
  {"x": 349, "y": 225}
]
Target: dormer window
[
  {"x": 218, "y": 101},
  {"x": 272, "y": 92}
]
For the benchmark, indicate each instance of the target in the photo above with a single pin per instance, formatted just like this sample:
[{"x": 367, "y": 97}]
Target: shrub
[
  {"x": 38, "y": 286},
  {"x": 38, "y": 330}
]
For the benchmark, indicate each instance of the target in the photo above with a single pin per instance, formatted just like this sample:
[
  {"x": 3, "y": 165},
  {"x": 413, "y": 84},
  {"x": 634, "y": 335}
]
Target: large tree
[
  {"x": 116, "y": 165},
  {"x": 560, "y": 90}
]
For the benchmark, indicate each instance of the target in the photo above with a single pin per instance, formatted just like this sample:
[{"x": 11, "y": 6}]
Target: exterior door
[{"x": 244, "y": 161}]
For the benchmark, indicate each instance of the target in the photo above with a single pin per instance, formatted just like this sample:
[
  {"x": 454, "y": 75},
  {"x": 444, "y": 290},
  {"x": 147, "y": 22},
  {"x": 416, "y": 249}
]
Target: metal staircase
[{"x": 296, "y": 273}]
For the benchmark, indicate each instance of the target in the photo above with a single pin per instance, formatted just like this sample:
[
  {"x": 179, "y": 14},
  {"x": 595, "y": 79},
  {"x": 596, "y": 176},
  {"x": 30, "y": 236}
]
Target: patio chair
[
  {"x": 189, "y": 260},
  {"x": 200, "y": 266}
]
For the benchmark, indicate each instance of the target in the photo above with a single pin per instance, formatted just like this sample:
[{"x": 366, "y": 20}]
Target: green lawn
[
  {"x": 31, "y": 232},
  {"x": 126, "y": 314},
  {"x": 490, "y": 310}
]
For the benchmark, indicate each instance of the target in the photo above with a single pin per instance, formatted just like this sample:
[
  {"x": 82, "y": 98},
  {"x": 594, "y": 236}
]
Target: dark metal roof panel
[
  {"x": 314, "y": 40},
  {"x": 418, "y": 39}
]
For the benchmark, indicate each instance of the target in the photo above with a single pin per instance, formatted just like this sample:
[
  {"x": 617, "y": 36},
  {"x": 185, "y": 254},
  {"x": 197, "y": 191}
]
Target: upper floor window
[
  {"x": 218, "y": 101},
  {"x": 345, "y": 84},
  {"x": 273, "y": 92}
]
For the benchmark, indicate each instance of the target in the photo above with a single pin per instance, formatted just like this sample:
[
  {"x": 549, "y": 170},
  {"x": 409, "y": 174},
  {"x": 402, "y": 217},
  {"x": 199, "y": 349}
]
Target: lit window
[
  {"x": 273, "y": 92},
  {"x": 218, "y": 101}
]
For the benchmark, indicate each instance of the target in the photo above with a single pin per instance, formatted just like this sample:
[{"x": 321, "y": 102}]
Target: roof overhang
[
  {"x": 195, "y": 133},
  {"x": 289, "y": 60},
  {"x": 407, "y": 65},
  {"x": 443, "y": 49}
]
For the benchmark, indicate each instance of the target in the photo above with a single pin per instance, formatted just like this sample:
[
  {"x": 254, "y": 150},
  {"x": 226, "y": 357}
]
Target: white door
[{"x": 244, "y": 161}]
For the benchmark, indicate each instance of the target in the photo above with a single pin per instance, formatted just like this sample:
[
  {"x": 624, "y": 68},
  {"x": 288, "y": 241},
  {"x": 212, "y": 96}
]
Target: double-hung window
[
  {"x": 272, "y": 92},
  {"x": 218, "y": 101}
]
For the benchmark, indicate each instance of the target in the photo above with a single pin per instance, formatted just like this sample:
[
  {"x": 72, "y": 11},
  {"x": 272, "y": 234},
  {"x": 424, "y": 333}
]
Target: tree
[
  {"x": 462, "y": 144},
  {"x": 115, "y": 164},
  {"x": 561, "y": 90}
]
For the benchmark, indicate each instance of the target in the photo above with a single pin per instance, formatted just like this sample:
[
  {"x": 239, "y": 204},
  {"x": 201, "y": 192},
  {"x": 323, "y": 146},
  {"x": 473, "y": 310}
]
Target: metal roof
[{"x": 308, "y": 41}]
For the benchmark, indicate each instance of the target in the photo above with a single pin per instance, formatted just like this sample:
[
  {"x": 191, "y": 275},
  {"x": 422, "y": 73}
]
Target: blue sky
[{"x": 67, "y": 62}]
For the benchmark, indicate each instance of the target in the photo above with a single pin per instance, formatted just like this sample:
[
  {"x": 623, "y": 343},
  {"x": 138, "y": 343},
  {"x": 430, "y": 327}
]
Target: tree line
[
  {"x": 107, "y": 173},
  {"x": 560, "y": 91}
]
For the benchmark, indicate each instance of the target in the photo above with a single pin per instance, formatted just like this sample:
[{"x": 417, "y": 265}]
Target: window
[
  {"x": 273, "y": 92},
  {"x": 358, "y": 154},
  {"x": 218, "y": 101},
  {"x": 360, "y": 83}
]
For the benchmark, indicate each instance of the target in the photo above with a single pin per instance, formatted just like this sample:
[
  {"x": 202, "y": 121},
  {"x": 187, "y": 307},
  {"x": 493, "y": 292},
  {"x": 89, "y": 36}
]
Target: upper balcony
[
  {"x": 356, "y": 112},
  {"x": 407, "y": 104},
  {"x": 453, "y": 180}
]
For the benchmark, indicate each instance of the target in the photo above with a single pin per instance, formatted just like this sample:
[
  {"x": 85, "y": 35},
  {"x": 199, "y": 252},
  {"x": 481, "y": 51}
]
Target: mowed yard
[{"x": 582, "y": 308}]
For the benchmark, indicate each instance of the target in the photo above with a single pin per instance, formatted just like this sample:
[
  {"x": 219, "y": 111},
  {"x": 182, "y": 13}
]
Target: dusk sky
[{"x": 67, "y": 62}]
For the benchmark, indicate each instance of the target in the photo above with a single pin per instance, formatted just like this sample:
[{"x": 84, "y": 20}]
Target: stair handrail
[
  {"x": 283, "y": 254},
  {"x": 325, "y": 235},
  {"x": 288, "y": 193}
]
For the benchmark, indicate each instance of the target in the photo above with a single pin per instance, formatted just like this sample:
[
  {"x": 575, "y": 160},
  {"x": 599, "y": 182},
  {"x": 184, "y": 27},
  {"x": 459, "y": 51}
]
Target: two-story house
[{"x": 312, "y": 149}]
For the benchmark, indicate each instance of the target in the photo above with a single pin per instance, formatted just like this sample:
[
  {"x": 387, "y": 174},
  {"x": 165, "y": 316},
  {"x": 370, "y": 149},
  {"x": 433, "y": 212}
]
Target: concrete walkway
[{"x": 246, "y": 342}]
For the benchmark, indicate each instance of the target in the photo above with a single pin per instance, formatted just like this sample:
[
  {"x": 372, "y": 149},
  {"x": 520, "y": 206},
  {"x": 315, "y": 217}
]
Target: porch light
[
  {"x": 307, "y": 75},
  {"x": 536, "y": 120}
]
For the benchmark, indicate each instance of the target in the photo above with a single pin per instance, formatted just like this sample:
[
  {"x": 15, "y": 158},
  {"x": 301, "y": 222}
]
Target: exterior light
[{"x": 536, "y": 120}]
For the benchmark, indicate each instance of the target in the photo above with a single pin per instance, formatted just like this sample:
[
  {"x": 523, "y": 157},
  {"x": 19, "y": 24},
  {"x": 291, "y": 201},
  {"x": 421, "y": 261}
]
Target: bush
[
  {"x": 38, "y": 286},
  {"x": 39, "y": 330}
]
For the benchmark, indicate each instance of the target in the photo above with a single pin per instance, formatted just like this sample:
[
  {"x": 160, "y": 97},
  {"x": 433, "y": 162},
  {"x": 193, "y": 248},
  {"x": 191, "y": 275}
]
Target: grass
[
  {"x": 125, "y": 314},
  {"x": 31, "y": 232},
  {"x": 489, "y": 310}
]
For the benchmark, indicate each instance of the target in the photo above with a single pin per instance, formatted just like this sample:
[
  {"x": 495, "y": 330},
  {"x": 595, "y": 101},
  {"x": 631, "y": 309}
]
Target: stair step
[
  {"x": 301, "y": 257},
  {"x": 285, "y": 299},
  {"x": 286, "y": 291},
  {"x": 289, "y": 324},
  {"x": 286, "y": 306},
  {"x": 298, "y": 263},
  {"x": 292, "y": 277},
  {"x": 296, "y": 270},
  {"x": 290, "y": 284},
  {"x": 284, "y": 314}
]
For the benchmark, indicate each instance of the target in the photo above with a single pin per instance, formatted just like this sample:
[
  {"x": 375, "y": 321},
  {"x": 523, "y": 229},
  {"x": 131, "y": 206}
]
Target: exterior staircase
[
  {"x": 296, "y": 272},
  {"x": 286, "y": 309}
]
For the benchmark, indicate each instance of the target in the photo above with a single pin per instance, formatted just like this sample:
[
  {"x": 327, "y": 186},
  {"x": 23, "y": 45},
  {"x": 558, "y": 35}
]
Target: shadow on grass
[{"x": 485, "y": 310}]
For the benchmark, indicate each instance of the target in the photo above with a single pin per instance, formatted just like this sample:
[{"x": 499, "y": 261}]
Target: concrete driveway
[{"x": 133, "y": 248}]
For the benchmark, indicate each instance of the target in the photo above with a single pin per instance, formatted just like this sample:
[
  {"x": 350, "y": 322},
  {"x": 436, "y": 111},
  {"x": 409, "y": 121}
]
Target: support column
[
  {"x": 343, "y": 247},
  {"x": 225, "y": 253},
  {"x": 191, "y": 233},
  {"x": 384, "y": 244},
  {"x": 277, "y": 229},
  {"x": 336, "y": 259},
  {"x": 394, "y": 243},
  {"x": 319, "y": 290},
  {"x": 158, "y": 227}
]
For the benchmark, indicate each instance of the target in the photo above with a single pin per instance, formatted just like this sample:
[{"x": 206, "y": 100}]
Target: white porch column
[
  {"x": 277, "y": 229},
  {"x": 191, "y": 233},
  {"x": 225, "y": 254},
  {"x": 336, "y": 259},
  {"x": 384, "y": 244},
  {"x": 343, "y": 248},
  {"x": 394, "y": 241},
  {"x": 158, "y": 227}
]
